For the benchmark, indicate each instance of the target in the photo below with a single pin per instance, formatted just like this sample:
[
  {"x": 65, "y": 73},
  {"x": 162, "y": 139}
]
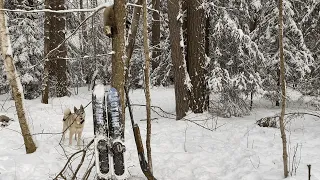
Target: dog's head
[{"x": 80, "y": 115}]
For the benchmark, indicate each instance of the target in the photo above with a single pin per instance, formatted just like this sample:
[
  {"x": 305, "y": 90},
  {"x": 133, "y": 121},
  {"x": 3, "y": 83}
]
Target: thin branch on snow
[
  {"x": 2, "y": 105},
  {"x": 89, "y": 168},
  {"x": 84, "y": 150},
  {"x": 183, "y": 119},
  {"x": 87, "y": 174},
  {"x": 79, "y": 165}
]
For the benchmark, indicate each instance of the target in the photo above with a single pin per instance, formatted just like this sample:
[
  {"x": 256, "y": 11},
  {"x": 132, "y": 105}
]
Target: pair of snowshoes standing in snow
[{"x": 109, "y": 134}]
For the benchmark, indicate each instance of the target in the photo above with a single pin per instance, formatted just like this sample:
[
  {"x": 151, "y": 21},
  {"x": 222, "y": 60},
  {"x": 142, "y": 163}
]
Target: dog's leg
[
  {"x": 79, "y": 138},
  {"x": 70, "y": 137}
]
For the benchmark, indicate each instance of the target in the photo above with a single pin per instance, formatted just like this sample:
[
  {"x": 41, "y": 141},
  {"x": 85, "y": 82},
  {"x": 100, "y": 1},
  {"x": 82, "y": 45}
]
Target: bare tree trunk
[
  {"x": 181, "y": 77},
  {"x": 147, "y": 82},
  {"x": 118, "y": 57},
  {"x": 196, "y": 54},
  {"x": 84, "y": 46},
  {"x": 15, "y": 83},
  {"x": 83, "y": 29},
  {"x": 47, "y": 45},
  {"x": 61, "y": 62},
  {"x": 207, "y": 50},
  {"x": 278, "y": 86},
  {"x": 55, "y": 64},
  {"x": 155, "y": 33},
  {"x": 283, "y": 93}
]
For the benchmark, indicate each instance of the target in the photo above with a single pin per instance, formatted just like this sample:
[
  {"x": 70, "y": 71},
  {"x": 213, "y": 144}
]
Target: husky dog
[{"x": 74, "y": 122}]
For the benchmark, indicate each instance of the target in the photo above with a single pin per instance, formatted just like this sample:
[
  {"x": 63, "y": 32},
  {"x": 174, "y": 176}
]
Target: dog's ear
[
  {"x": 75, "y": 109},
  {"x": 81, "y": 108}
]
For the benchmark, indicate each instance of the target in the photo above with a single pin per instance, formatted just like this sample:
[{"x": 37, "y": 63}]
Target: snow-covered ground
[{"x": 182, "y": 150}]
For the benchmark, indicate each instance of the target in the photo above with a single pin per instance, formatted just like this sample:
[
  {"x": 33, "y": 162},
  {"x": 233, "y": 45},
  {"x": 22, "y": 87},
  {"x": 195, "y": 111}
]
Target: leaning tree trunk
[
  {"x": 181, "y": 77},
  {"x": 15, "y": 83},
  {"x": 196, "y": 54},
  {"x": 283, "y": 93},
  {"x": 118, "y": 46},
  {"x": 131, "y": 39},
  {"x": 147, "y": 82}
]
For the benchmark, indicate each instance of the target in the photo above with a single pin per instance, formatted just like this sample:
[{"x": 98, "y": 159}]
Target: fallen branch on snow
[
  {"x": 271, "y": 121},
  {"x": 84, "y": 151}
]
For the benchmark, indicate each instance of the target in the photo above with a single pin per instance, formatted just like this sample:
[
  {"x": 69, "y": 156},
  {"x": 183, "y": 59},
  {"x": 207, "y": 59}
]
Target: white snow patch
[
  {"x": 237, "y": 150},
  {"x": 256, "y": 4},
  {"x": 99, "y": 91},
  {"x": 111, "y": 52},
  {"x": 109, "y": 3}
]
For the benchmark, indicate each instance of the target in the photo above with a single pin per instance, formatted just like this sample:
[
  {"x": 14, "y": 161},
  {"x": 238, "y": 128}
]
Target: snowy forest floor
[{"x": 181, "y": 150}]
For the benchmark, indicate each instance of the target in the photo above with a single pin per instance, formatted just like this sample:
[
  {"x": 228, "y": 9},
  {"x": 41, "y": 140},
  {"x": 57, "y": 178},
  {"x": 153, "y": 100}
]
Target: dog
[{"x": 74, "y": 122}]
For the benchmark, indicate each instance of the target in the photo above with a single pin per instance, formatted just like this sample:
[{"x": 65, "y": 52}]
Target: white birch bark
[{"x": 15, "y": 83}]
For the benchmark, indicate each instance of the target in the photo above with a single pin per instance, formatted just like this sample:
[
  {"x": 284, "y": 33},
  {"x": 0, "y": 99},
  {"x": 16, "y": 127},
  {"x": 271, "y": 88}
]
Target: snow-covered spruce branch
[
  {"x": 83, "y": 57},
  {"x": 221, "y": 7},
  {"x": 97, "y": 9},
  {"x": 70, "y": 10},
  {"x": 84, "y": 151},
  {"x": 102, "y": 6},
  {"x": 140, "y": 6}
]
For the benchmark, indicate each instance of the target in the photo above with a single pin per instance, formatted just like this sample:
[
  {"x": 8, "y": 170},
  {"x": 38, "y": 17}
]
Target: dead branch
[
  {"x": 84, "y": 150},
  {"x": 270, "y": 121},
  {"x": 79, "y": 165},
  {"x": 183, "y": 119},
  {"x": 156, "y": 107},
  {"x": 87, "y": 174}
]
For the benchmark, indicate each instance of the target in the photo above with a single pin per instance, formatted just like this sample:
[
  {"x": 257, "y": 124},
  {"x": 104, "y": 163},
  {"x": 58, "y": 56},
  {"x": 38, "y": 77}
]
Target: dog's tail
[{"x": 66, "y": 114}]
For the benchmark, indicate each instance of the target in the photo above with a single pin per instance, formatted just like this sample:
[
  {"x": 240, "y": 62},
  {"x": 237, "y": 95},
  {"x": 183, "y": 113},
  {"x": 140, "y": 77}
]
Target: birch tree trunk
[
  {"x": 15, "y": 83},
  {"x": 147, "y": 82},
  {"x": 283, "y": 93}
]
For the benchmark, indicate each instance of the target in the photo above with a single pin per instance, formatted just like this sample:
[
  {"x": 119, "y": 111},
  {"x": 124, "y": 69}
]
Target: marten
[{"x": 109, "y": 21}]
